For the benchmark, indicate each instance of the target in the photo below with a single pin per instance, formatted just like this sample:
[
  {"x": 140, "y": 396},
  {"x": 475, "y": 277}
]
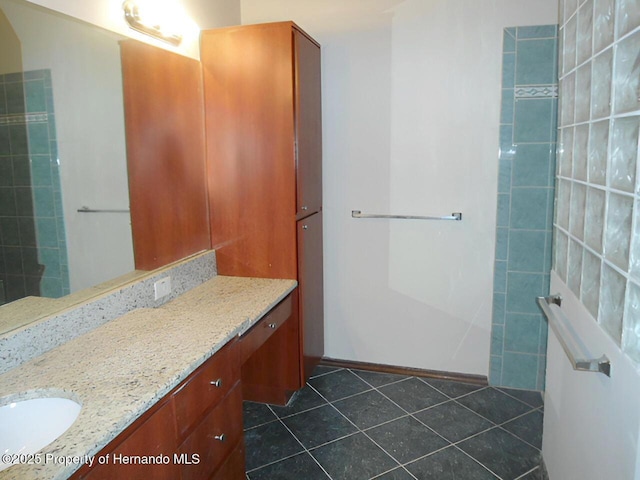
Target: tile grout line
[
  {"x": 356, "y": 426},
  {"x": 304, "y": 450},
  {"x": 408, "y": 414},
  {"x": 401, "y": 465},
  {"x": 527, "y": 473}
]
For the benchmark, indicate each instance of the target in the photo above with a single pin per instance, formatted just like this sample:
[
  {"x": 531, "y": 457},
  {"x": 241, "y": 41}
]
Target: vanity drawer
[
  {"x": 253, "y": 338},
  {"x": 233, "y": 468},
  {"x": 215, "y": 437},
  {"x": 206, "y": 388}
]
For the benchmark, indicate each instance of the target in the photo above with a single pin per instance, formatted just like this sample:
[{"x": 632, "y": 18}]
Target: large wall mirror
[{"x": 62, "y": 150}]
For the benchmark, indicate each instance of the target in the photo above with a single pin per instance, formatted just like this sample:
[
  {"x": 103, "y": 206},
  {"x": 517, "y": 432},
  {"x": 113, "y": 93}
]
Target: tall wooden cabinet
[{"x": 264, "y": 173}]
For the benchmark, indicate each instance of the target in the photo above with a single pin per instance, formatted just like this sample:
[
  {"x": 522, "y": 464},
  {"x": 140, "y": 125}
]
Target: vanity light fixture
[{"x": 153, "y": 18}]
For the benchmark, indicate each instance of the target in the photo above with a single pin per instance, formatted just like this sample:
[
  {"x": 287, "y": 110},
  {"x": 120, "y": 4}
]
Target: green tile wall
[
  {"x": 33, "y": 254},
  {"x": 525, "y": 206}
]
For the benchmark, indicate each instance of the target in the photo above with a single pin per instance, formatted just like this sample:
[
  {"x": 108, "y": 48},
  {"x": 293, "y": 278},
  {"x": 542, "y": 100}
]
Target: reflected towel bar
[
  {"x": 560, "y": 325},
  {"x": 359, "y": 214},
  {"x": 92, "y": 210}
]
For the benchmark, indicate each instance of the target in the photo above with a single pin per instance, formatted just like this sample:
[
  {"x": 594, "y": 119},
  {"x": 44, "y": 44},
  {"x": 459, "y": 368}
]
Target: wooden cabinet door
[
  {"x": 150, "y": 439},
  {"x": 310, "y": 278},
  {"x": 308, "y": 125}
]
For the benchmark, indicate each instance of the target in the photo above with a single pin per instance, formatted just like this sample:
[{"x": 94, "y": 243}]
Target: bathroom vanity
[{"x": 162, "y": 383}]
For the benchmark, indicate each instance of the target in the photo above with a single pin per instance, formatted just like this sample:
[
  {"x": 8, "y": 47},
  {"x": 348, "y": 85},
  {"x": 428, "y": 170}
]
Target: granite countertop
[{"x": 123, "y": 367}]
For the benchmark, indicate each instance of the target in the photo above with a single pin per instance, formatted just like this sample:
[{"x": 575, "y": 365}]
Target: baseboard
[{"x": 416, "y": 372}]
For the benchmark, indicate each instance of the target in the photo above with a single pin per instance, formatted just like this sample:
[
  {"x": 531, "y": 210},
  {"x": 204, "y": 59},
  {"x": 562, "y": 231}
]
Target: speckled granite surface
[
  {"x": 120, "y": 369},
  {"x": 83, "y": 311}
]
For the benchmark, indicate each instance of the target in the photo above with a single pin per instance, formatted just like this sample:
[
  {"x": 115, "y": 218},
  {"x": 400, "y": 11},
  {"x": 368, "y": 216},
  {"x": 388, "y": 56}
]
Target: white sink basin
[{"x": 27, "y": 426}]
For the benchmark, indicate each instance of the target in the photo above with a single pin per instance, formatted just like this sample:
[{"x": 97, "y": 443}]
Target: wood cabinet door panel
[
  {"x": 154, "y": 438},
  {"x": 214, "y": 438},
  {"x": 308, "y": 124},
  {"x": 311, "y": 291},
  {"x": 234, "y": 467}
]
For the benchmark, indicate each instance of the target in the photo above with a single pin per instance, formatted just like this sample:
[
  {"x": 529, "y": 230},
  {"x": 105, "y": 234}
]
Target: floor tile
[
  {"x": 449, "y": 464},
  {"x": 502, "y": 453},
  {"x": 378, "y": 379},
  {"x": 494, "y": 405},
  {"x": 254, "y": 414},
  {"x": 406, "y": 439},
  {"x": 354, "y": 457},
  {"x": 527, "y": 396},
  {"x": 269, "y": 443},
  {"x": 369, "y": 409},
  {"x": 338, "y": 384},
  {"x": 305, "y": 399},
  {"x": 318, "y": 426},
  {"x": 532, "y": 475},
  {"x": 376, "y": 403},
  {"x": 528, "y": 428},
  {"x": 301, "y": 466},
  {"x": 453, "y": 421},
  {"x": 396, "y": 474},
  {"x": 323, "y": 369},
  {"x": 452, "y": 389},
  {"x": 413, "y": 394}
]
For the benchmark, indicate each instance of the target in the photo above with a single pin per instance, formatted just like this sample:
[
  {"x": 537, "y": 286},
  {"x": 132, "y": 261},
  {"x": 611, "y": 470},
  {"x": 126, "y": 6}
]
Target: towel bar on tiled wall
[
  {"x": 95, "y": 210},
  {"x": 571, "y": 345},
  {"x": 359, "y": 214}
]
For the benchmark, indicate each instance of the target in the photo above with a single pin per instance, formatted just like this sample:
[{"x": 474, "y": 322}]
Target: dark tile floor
[{"x": 356, "y": 425}]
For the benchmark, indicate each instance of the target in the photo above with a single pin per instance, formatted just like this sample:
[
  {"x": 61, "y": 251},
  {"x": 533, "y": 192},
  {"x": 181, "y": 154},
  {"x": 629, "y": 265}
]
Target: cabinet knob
[
  {"x": 220, "y": 438},
  {"x": 216, "y": 383},
  {"x": 305, "y": 227},
  {"x": 272, "y": 325},
  {"x": 305, "y": 208}
]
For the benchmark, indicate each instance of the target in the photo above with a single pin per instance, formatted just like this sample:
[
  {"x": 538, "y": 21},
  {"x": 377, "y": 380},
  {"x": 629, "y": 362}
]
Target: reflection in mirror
[{"x": 62, "y": 148}]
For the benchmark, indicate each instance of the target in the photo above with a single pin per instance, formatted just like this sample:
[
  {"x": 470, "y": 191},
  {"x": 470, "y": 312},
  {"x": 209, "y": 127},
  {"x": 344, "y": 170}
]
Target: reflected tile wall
[
  {"x": 33, "y": 228},
  {"x": 600, "y": 240},
  {"x": 525, "y": 200}
]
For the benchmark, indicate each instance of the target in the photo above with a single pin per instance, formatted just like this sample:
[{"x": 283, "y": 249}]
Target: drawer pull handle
[
  {"x": 272, "y": 325},
  {"x": 216, "y": 383},
  {"x": 220, "y": 437}
]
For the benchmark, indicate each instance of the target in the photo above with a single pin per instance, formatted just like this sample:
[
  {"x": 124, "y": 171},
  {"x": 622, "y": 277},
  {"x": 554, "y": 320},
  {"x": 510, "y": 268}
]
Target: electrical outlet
[{"x": 162, "y": 287}]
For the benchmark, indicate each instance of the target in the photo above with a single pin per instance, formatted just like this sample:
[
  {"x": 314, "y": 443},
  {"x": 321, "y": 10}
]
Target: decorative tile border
[
  {"x": 539, "y": 91},
  {"x": 22, "y": 119}
]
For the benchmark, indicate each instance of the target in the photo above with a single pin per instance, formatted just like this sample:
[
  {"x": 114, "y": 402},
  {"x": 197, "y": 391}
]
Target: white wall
[
  {"x": 411, "y": 99},
  {"x": 591, "y": 422},
  {"x": 108, "y": 14}
]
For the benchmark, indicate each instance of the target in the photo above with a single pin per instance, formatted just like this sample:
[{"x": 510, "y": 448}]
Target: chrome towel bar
[
  {"x": 550, "y": 306},
  {"x": 358, "y": 214},
  {"x": 92, "y": 210}
]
